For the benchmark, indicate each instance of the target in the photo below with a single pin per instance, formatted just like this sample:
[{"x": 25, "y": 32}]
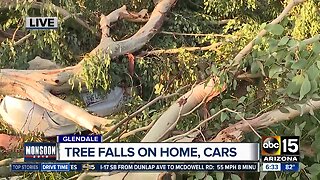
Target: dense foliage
[{"x": 289, "y": 65}]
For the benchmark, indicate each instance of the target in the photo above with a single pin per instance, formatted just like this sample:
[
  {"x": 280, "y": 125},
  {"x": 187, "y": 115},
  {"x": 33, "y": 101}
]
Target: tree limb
[
  {"x": 20, "y": 41},
  {"x": 189, "y": 101},
  {"x": 192, "y": 34},
  {"x": 234, "y": 133},
  {"x": 177, "y": 50},
  {"x": 306, "y": 41},
  {"x": 138, "y": 40},
  {"x": 248, "y": 47}
]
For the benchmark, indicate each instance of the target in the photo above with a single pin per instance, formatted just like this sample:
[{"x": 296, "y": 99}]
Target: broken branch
[
  {"x": 234, "y": 133},
  {"x": 191, "y": 99},
  {"x": 177, "y": 50}
]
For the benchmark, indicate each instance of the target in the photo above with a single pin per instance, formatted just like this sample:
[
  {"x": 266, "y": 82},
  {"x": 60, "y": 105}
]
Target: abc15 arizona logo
[{"x": 280, "y": 145}]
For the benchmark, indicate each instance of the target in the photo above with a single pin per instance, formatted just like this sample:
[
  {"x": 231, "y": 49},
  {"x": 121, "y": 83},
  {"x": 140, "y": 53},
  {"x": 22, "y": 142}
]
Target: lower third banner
[{"x": 142, "y": 167}]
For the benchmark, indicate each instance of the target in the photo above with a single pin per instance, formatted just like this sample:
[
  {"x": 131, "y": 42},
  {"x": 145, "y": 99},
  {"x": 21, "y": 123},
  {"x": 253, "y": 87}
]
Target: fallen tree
[{"x": 41, "y": 86}]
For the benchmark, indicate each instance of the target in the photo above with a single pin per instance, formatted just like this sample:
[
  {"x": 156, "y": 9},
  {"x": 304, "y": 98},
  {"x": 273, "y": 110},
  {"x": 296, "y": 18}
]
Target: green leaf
[
  {"x": 214, "y": 69},
  {"x": 242, "y": 99},
  {"x": 300, "y": 64},
  {"x": 258, "y": 40},
  {"x": 272, "y": 44},
  {"x": 234, "y": 84},
  {"x": 299, "y": 107},
  {"x": 297, "y": 131},
  {"x": 298, "y": 79},
  {"x": 200, "y": 175},
  {"x": 227, "y": 102},
  {"x": 271, "y": 60},
  {"x": 212, "y": 111},
  {"x": 305, "y": 87},
  {"x": 314, "y": 86},
  {"x": 275, "y": 69},
  {"x": 318, "y": 64},
  {"x": 238, "y": 116},
  {"x": 208, "y": 177},
  {"x": 316, "y": 47},
  {"x": 316, "y": 143},
  {"x": 261, "y": 68},
  {"x": 296, "y": 175},
  {"x": 254, "y": 67},
  {"x": 223, "y": 116},
  {"x": 302, "y": 166},
  {"x": 283, "y": 41},
  {"x": 288, "y": 60},
  {"x": 295, "y": 85},
  {"x": 311, "y": 112},
  {"x": 263, "y": 25},
  {"x": 302, "y": 45},
  {"x": 302, "y": 125},
  {"x": 304, "y": 54},
  {"x": 314, "y": 169},
  {"x": 219, "y": 175},
  {"x": 312, "y": 131},
  {"x": 293, "y": 43},
  {"x": 235, "y": 177},
  {"x": 313, "y": 72},
  {"x": 262, "y": 175},
  {"x": 275, "y": 29},
  {"x": 281, "y": 55}
]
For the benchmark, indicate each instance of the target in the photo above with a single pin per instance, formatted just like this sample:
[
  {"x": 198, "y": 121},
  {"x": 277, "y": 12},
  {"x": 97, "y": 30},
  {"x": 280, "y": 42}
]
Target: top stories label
[{"x": 280, "y": 149}]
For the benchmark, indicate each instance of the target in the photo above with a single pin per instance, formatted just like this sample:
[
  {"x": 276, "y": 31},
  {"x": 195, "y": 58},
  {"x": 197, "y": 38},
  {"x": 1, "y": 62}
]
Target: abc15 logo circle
[{"x": 280, "y": 145}]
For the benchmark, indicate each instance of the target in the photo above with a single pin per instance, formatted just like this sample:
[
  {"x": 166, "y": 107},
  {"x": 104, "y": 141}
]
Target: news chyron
[
  {"x": 280, "y": 153},
  {"x": 41, "y": 23}
]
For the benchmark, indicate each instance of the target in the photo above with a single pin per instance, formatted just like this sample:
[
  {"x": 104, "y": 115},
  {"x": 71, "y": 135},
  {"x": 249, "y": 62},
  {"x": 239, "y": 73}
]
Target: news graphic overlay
[
  {"x": 37, "y": 151},
  {"x": 43, "y": 151},
  {"x": 79, "y": 139},
  {"x": 162, "y": 156},
  {"x": 280, "y": 153},
  {"x": 89, "y": 153},
  {"x": 41, "y": 23},
  {"x": 161, "y": 152},
  {"x": 136, "y": 166}
]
